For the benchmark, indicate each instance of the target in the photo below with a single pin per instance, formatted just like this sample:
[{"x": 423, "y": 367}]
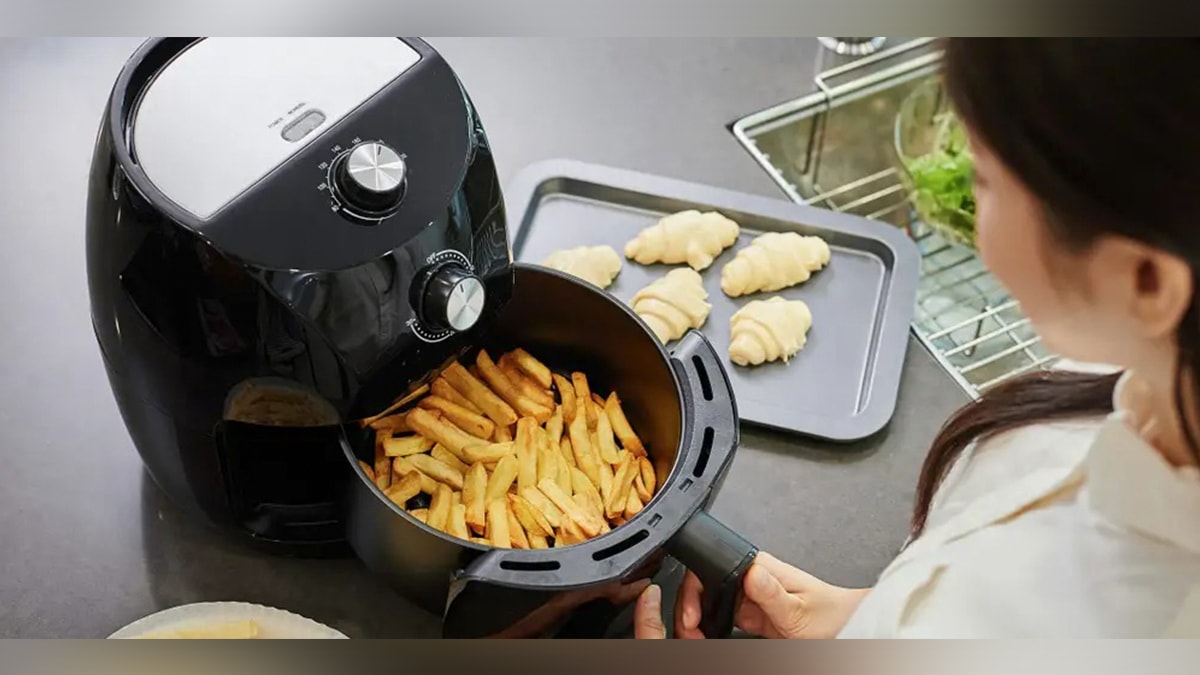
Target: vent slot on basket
[
  {"x": 622, "y": 546},
  {"x": 529, "y": 565},
  {"x": 702, "y": 373},
  {"x": 705, "y": 450}
]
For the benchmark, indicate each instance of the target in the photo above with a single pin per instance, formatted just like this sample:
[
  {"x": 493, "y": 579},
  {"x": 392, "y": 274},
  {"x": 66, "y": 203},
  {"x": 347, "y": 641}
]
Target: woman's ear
[{"x": 1152, "y": 287}]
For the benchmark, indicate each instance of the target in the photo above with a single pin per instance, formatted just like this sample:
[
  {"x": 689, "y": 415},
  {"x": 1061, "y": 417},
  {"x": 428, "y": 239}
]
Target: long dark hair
[{"x": 1106, "y": 134}]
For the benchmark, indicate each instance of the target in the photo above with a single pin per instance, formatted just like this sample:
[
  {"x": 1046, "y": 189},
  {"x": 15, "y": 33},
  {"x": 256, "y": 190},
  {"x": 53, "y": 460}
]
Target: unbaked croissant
[
  {"x": 673, "y": 303},
  {"x": 768, "y": 330},
  {"x": 598, "y": 265},
  {"x": 688, "y": 236},
  {"x": 772, "y": 262}
]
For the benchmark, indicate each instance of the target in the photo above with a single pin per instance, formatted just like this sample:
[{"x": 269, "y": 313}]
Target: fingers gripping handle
[{"x": 719, "y": 557}]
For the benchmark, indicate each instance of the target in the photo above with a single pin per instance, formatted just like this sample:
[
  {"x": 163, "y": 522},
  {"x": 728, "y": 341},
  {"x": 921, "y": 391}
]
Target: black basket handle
[{"x": 717, "y": 555}]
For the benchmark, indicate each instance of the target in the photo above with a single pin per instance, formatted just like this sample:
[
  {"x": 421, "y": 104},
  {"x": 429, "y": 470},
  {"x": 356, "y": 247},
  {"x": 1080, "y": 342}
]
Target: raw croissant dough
[
  {"x": 688, "y": 236},
  {"x": 673, "y": 303},
  {"x": 768, "y": 330},
  {"x": 772, "y": 262},
  {"x": 598, "y": 265}
]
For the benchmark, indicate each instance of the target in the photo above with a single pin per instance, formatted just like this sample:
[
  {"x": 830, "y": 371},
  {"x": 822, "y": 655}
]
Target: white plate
[{"x": 273, "y": 623}]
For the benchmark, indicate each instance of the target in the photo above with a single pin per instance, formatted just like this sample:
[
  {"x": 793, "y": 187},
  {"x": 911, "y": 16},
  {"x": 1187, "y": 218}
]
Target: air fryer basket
[{"x": 682, "y": 407}]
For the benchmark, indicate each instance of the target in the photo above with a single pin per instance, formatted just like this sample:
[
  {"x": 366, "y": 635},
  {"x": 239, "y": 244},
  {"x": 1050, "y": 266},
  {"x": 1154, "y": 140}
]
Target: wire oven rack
[{"x": 834, "y": 148}]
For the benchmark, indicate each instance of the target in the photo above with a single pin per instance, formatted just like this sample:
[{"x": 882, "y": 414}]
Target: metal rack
[{"x": 834, "y": 148}]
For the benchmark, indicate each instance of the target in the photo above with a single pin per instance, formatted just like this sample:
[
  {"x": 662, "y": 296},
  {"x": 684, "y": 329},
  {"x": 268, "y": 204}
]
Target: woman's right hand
[{"x": 779, "y": 601}]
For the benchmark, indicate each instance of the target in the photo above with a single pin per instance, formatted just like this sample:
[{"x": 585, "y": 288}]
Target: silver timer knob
[
  {"x": 371, "y": 177},
  {"x": 452, "y": 298}
]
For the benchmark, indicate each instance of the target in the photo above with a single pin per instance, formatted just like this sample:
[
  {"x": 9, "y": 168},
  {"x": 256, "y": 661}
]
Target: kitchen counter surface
[{"x": 89, "y": 544}]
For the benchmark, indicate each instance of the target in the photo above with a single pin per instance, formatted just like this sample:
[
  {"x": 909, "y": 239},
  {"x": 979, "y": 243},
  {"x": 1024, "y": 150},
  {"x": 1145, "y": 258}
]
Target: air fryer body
[{"x": 246, "y": 299}]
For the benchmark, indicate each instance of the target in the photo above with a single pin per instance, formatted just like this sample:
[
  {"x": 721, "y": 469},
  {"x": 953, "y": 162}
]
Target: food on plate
[
  {"x": 772, "y": 262},
  {"x": 688, "y": 237},
  {"x": 572, "y": 467},
  {"x": 768, "y": 330},
  {"x": 229, "y": 630},
  {"x": 597, "y": 265},
  {"x": 673, "y": 303}
]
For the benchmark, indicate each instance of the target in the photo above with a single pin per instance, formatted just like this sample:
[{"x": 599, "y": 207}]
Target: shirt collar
[{"x": 1130, "y": 484}]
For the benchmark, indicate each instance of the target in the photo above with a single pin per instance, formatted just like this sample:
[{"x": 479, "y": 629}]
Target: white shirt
[{"x": 1056, "y": 530}]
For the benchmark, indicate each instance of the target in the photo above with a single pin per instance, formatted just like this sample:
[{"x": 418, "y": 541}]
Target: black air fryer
[{"x": 285, "y": 235}]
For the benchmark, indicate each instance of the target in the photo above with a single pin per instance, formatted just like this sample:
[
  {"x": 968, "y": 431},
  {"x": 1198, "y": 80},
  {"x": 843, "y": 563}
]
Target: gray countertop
[{"x": 88, "y": 544}]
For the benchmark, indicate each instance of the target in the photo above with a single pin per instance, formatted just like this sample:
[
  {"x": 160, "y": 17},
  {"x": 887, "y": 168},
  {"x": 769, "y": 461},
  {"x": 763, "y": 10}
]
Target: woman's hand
[{"x": 779, "y": 601}]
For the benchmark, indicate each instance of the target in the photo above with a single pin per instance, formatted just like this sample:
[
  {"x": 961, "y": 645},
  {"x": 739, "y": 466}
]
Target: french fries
[
  {"x": 471, "y": 422},
  {"x": 406, "y": 445},
  {"x": 511, "y": 454}
]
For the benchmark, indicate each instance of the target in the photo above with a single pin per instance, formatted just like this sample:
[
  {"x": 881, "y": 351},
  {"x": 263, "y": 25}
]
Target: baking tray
[{"x": 843, "y": 385}]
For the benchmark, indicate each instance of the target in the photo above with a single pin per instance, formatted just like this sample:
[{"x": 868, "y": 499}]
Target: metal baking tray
[{"x": 843, "y": 385}]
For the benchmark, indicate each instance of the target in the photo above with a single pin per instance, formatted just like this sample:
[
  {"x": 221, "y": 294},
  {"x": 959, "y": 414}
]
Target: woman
[{"x": 1060, "y": 504}]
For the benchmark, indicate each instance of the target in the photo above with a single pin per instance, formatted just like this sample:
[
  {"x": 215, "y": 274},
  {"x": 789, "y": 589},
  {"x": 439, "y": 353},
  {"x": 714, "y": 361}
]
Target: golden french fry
[
  {"x": 396, "y": 424},
  {"x": 437, "y": 470},
  {"x": 633, "y": 507},
  {"x": 598, "y": 400},
  {"x": 455, "y": 499},
  {"x": 581, "y": 484},
  {"x": 367, "y": 469},
  {"x": 604, "y": 434},
  {"x": 564, "y": 474},
  {"x": 406, "y": 445},
  {"x": 508, "y": 391},
  {"x": 402, "y": 467},
  {"x": 620, "y": 426},
  {"x": 441, "y": 454},
  {"x": 442, "y": 388},
  {"x": 537, "y": 541},
  {"x": 548, "y": 457},
  {"x": 554, "y": 427},
  {"x": 585, "y": 459},
  {"x": 420, "y": 514},
  {"x": 491, "y": 453},
  {"x": 567, "y": 451},
  {"x": 406, "y": 489},
  {"x": 539, "y": 501},
  {"x": 501, "y": 479},
  {"x": 532, "y": 367},
  {"x": 617, "y": 500},
  {"x": 566, "y": 393},
  {"x": 639, "y": 488},
  {"x": 503, "y": 435},
  {"x": 457, "y": 524},
  {"x": 519, "y": 539},
  {"x": 526, "y": 451},
  {"x": 475, "y": 497},
  {"x": 497, "y": 524},
  {"x": 482, "y": 541},
  {"x": 478, "y": 393},
  {"x": 589, "y": 523},
  {"x": 442, "y": 431},
  {"x": 527, "y": 387},
  {"x": 439, "y": 508},
  {"x": 531, "y": 518},
  {"x": 473, "y": 423},
  {"x": 606, "y": 484},
  {"x": 648, "y": 476},
  {"x": 583, "y": 397},
  {"x": 619, "y": 520},
  {"x": 569, "y": 533},
  {"x": 589, "y": 506},
  {"x": 383, "y": 477}
]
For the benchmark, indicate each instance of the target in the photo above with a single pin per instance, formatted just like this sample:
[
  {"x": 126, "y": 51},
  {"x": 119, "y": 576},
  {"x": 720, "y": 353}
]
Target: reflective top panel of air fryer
[{"x": 227, "y": 111}]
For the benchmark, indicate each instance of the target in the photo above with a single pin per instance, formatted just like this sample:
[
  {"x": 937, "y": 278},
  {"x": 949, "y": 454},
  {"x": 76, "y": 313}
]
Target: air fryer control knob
[
  {"x": 452, "y": 299},
  {"x": 370, "y": 177}
]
